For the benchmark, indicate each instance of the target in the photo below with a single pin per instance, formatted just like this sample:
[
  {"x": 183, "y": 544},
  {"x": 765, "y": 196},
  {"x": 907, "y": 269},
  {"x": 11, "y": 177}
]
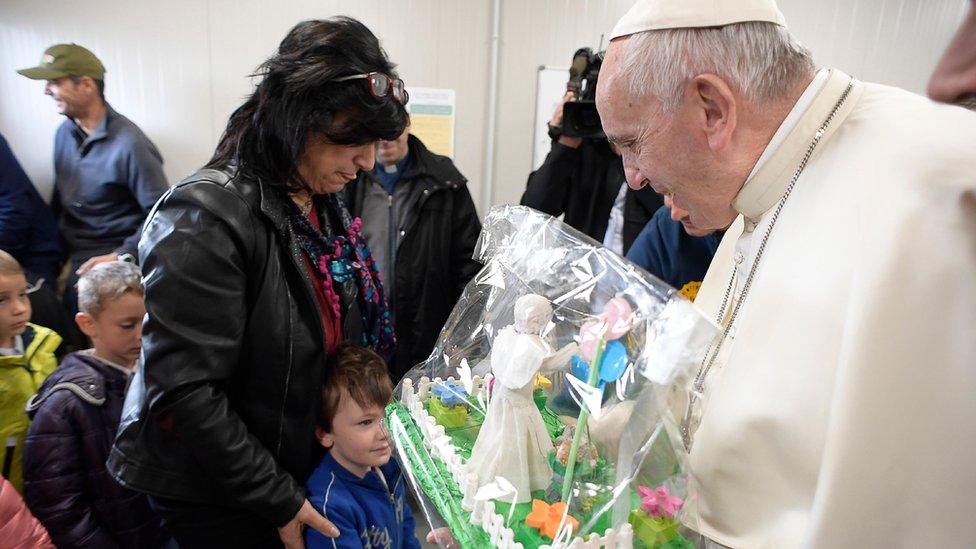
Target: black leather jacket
[{"x": 223, "y": 409}]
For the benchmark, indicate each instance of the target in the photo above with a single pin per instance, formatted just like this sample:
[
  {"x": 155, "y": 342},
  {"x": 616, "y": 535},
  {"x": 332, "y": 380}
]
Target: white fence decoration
[{"x": 483, "y": 512}]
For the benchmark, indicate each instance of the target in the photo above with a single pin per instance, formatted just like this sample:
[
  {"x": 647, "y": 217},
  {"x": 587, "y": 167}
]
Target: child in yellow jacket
[{"x": 26, "y": 359}]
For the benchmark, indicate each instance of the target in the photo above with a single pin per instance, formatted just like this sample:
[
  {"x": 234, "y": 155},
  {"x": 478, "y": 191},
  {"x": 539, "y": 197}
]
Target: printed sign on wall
[{"x": 432, "y": 118}]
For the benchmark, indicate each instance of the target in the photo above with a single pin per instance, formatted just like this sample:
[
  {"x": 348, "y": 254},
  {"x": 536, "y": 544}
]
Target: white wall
[{"x": 179, "y": 67}]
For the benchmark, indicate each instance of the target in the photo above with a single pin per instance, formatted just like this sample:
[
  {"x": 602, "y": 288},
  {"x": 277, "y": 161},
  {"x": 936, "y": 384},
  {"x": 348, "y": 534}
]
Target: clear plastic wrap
[{"x": 485, "y": 428}]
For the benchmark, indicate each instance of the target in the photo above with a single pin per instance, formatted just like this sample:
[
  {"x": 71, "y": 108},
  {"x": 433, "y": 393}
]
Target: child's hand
[{"x": 442, "y": 537}]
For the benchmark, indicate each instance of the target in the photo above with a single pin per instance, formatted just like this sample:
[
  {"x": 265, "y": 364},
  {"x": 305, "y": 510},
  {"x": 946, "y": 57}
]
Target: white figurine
[{"x": 513, "y": 442}]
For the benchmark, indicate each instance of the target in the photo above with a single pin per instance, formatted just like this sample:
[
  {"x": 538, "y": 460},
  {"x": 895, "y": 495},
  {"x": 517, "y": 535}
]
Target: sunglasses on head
[{"x": 380, "y": 85}]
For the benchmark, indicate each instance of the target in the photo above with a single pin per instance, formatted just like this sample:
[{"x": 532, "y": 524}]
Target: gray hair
[
  {"x": 759, "y": 59},
  {"x": 106, "y": 282}
]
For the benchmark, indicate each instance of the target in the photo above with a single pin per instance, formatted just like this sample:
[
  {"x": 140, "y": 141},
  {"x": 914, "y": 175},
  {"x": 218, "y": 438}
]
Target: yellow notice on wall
[{"x": 432, "y": 118}]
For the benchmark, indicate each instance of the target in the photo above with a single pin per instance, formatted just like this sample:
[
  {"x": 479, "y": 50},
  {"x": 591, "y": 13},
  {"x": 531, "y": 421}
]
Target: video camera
[{"x": 580, "y": 117}]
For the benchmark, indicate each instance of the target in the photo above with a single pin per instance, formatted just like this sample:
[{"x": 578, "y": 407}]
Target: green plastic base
[
  {"x": 439, "y": 486},
  {"x": 448, "y": 416}
]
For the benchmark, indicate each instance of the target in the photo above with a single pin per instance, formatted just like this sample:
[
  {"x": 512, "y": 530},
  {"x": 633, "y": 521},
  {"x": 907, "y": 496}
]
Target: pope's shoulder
[
  {"x": 912, "y": 138},
  {"x": 911, "y": 116}
]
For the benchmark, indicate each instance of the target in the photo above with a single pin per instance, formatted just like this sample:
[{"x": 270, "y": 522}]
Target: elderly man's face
[
  {"x": 391, "y": 152},
  {"x": 666, "y": 151}
]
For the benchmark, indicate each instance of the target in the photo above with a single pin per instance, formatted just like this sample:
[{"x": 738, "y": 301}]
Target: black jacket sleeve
[
  {"x": 466, "y": 226},
  {"x": 549, "y": 187},
  {"x": 195, "y": 270}
]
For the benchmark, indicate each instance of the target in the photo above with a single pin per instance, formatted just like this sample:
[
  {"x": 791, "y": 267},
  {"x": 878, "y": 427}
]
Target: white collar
[
  {"x": 773, "y": 171},
  {"x": 791, "y": 120},
  {"x": 123, "y": 369},
  {"x": 17, "y": 349}
]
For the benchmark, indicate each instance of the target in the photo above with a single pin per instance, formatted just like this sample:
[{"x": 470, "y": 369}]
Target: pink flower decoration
[
  {"x": 659, "y": 502},
  {"x": 589, "y": 333},
  {"x": 616, "y": 320},
  {"x": 619, "y": 316}
]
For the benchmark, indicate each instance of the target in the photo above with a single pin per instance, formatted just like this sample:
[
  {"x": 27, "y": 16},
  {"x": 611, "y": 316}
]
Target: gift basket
[{"x": 539, "y": 418}]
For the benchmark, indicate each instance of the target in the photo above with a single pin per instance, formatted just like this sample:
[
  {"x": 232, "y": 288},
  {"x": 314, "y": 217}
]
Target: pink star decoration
[{"x": 659, "y": 502}]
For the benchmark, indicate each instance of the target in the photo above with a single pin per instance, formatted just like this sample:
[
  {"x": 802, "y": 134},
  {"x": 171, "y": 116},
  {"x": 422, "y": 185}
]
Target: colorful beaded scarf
[{"x": 339, "y": 259}]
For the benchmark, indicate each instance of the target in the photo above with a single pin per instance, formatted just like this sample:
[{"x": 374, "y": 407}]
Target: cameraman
[{"x": 584, "y": 179}]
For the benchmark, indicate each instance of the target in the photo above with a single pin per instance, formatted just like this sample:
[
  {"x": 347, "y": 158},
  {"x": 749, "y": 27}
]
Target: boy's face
[
  {"x": 116, "y": 332},
  {"x": 15, "y": 307},
  {"x": 358, "y": 440}
]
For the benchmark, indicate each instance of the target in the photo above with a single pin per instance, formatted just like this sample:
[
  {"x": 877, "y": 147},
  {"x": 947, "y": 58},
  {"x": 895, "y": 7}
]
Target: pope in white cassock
[{"x": 839, "y": 409}]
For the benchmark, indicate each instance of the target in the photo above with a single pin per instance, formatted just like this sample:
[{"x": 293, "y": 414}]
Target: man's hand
[
  {"x": 88, "y": 265},
  {"x": 557, "y": 116},
  {"x": 557, "y": 122},
  {"x": 291, "y": 533}
]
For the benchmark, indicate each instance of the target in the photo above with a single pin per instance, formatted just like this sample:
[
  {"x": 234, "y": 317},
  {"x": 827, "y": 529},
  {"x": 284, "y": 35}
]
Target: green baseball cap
[{"x": 66, "y": 60}]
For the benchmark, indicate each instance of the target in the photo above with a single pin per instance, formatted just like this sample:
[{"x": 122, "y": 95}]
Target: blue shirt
[
  {"x": 389, "y": 180},
  {"x": 28, "y": 230},
  {"x": 104, "y": 185},
  {"x": 665, "y": 250},
  {"x": 370, "y": 512}
]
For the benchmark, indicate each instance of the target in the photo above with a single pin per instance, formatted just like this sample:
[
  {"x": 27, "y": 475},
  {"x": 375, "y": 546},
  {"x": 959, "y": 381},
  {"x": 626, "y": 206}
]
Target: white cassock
[{"x": 841, "y": 411}]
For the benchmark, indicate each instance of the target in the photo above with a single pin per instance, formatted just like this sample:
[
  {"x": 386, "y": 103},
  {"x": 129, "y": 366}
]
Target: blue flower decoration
[
  {"x": 613, "y": 366},
  {"x": 450, "y": 394}
]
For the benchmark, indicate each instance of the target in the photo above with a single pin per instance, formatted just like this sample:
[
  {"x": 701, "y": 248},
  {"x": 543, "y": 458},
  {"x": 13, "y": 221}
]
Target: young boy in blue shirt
[{"x": 357, "y": 486}]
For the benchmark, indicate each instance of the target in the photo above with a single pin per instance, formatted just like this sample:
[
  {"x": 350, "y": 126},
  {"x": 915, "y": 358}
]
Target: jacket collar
[
  {"x": 766, "y": 185},
  {"x": 275, "y": 205},
  {"x": 112, "y": 367},
  {"x": 423, "y": 162},
  {"x": 101, "y": 131},
  {"x": 371, "y": 481},
  {"x": 426, "y": 172},
  {"x": 81, "y": 374}
]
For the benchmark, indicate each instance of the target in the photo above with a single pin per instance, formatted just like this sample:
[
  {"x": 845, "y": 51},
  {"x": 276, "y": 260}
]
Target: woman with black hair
[{"x": 254, "y": 271}]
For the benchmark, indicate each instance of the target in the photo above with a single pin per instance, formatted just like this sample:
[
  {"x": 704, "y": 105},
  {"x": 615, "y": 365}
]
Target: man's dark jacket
[
  {"x": 222, "y": 412},
  {"x": 74, "y": 417},
  {"x": 433, "y": 258},
  {"x": 582, "y": 183},
  {"x": 28, "y": 230}
]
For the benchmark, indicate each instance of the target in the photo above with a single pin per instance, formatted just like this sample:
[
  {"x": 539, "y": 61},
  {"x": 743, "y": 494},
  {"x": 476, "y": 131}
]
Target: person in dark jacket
[
  {"x": 583, "y": 180},
  {"x": 74, "y": 418},
  {"x": 28, "y": 230},
  {"x": 673, "y": 249},
  {"x": 421, "y": 225},
  {"x": 254, "y": 272}
]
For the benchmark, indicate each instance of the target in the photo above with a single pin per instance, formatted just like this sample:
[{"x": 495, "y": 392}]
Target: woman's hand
[{"x": 291, "y": 533}]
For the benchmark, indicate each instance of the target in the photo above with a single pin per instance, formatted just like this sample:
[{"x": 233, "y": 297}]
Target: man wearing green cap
[{"x": 107, "y": 173}]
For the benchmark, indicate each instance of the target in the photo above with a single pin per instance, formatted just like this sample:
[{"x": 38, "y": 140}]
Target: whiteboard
[{"x": 550, "y": 88}]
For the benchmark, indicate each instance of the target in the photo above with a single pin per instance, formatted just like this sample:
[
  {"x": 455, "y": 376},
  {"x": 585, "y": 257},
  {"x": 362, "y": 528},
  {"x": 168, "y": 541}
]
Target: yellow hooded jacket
[{"x": 20, "y": 377}]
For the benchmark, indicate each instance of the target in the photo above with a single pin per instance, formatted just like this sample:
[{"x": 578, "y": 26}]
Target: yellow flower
[
  {"x": 541, "y": 381},
  {"x": 690, "y": 290}
]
